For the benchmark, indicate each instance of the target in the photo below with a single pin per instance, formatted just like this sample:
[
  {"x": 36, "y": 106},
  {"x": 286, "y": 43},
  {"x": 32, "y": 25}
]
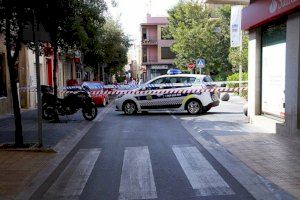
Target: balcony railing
[
  {"x": 149, "y": 41},
  {"x": 145, "y": 60}
]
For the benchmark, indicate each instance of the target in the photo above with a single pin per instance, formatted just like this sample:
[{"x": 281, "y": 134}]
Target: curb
[{"x": 63, "y": 148}]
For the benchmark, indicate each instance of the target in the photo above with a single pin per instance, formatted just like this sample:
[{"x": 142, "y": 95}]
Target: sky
[{"x": 131, "y": 13}]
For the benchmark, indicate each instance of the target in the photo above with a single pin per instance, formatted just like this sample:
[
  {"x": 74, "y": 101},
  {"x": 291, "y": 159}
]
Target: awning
[{"x": 263, "y": 11}]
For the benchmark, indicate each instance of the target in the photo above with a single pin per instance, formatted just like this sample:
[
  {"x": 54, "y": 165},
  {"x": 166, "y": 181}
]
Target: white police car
[{"x": 164, "y": 98}]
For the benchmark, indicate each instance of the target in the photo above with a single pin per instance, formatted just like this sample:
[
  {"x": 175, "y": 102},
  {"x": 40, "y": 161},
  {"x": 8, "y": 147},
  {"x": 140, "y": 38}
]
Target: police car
[{"x": 164, "y": 97}]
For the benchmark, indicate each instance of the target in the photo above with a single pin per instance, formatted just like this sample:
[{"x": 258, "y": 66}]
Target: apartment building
[{"x": 156, "y": 53}]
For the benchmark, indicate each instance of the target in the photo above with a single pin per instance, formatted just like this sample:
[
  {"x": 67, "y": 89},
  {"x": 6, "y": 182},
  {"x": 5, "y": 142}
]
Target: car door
[
  {"x": 150, "y": 99},
  {"x": 179, "y": 84}
]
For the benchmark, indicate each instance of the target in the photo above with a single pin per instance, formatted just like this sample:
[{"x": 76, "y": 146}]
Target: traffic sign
[
  {"x": 191, "y": 65},
  {"x": 200, "y": 63}
]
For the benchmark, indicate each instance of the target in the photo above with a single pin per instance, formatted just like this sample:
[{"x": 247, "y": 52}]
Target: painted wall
[
  {"x": 152, "y": 53},
  {"x": 156, "y": 19},
  {"x": 5, "y": 102},
  {"x": 152, "y": 33}
]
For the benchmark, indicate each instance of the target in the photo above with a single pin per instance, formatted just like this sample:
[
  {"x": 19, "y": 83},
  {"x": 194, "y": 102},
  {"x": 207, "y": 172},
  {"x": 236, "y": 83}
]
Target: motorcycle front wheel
[
  {"x": 48, "y": 112},
  {"x": 90, "y": 112}
]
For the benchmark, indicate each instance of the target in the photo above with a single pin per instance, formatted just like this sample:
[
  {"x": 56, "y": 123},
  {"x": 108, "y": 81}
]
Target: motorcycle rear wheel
[{"x": 90, "y": 113}]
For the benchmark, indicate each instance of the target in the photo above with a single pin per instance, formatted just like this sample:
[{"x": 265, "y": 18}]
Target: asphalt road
[{"x": 145, "y": 156}]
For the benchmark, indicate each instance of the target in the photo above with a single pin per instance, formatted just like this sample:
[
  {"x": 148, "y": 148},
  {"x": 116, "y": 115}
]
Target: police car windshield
[
  {"x": 207, "y": 79},
  {"x": 173, "y": 80},
  {"x": 92, "y": 85}
]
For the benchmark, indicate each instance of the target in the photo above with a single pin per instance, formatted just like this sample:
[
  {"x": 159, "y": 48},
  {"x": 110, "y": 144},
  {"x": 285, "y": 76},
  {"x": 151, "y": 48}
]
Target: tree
[
  {"x": 200, "y": 32},
  {"x": 238, "y": 57},
  {"x": 70, "y": 23},
  {"x": 110, "y": 48},
  {"x": 13, "y": 17},
  {"x": 73, "y": 25}
]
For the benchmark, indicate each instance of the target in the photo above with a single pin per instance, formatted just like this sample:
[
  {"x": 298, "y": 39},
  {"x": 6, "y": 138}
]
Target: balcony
[
  {"x": 149, "y": 41},
  {"x": 149, "y": 61}
]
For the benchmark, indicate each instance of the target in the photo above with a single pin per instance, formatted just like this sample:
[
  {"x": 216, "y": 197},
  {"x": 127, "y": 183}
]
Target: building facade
[
  {"x": 26, "y": 75},
  {"x": 156, "y": 53},
  {"x": 274, "y": 63}
]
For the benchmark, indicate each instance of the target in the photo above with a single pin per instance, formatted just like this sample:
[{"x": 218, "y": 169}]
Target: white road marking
[
  {"x": 174, "y": 117},
  {"x": 137, "y": 181},
  {"x": 204, "y": 179},
  {"x": 71, "y": 182}
]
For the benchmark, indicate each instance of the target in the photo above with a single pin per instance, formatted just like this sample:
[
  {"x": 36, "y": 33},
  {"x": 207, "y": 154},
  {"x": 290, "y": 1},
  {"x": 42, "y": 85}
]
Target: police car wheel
[
  {"x": 194, "y": 107},
  {"x": 129, "y": 108}
]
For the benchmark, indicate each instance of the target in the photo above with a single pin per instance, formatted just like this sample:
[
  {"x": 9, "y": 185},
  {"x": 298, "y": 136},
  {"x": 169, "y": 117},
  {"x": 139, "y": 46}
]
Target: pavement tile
[
  {"x": 18, "y": 168},
  {"x": 273, "y": 156},
  {"x": 270, "y": 156}
]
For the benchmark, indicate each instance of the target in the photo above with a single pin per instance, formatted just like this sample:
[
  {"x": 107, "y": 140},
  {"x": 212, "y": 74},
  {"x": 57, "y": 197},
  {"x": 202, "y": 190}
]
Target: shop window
[
  {"x": 166, "y": 53},
  {"x": 78, "y": 75},
  {"x": 3, "y": 91},
  {"x": 273, "y": 69}
]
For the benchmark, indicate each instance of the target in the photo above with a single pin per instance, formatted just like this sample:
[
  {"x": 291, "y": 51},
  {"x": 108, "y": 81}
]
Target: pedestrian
[{"x": 132, "y": 82}]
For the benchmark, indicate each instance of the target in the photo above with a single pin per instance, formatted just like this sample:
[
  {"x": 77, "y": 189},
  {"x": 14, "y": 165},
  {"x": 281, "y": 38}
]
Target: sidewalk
[
  {"x": 274, "y": 157},
  {"x": 52, "y": 133},
  {"x": 21, "y": 172}
]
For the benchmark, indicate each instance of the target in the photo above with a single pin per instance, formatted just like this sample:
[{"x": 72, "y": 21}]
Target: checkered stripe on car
[{"x": 161, "y": 102}]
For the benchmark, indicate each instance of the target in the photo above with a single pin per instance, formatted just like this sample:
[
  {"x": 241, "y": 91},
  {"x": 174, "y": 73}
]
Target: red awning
[{"x": 263, "y": 11}]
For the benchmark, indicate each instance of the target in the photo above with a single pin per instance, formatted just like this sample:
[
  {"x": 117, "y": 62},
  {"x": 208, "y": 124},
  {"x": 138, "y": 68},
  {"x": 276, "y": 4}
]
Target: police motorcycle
[{"x": 77, "y": 99}]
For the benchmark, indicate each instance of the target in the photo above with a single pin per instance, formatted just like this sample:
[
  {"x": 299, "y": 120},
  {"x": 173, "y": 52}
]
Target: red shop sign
[{"x": 263, "y": 11}]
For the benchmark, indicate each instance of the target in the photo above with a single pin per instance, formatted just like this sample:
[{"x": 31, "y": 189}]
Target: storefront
[
  {"x": 274, "y": 86},
  {"x": 157, "y": 70}
]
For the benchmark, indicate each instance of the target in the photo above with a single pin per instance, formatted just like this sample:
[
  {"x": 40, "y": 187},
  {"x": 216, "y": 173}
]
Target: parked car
[
  {"x": 95, "y": 88},
  {"x": 194, "y": 103}
]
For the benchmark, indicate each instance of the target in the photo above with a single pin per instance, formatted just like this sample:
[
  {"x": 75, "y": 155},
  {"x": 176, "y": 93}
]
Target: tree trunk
[
  {"x": 55, "y": 62},
  {"x": 12, "y": 75}
]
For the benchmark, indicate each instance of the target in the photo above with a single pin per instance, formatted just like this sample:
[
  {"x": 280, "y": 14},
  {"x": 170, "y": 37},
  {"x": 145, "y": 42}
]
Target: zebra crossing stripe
[
  {"x": 71, "y": 182},
  {"x": 137, "y": 180},
  {"x": 204, "y": 179}
]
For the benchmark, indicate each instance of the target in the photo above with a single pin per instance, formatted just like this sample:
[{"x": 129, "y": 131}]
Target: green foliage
[
  {"x": 186, "y": 71},
  {"x": 114, "y": 44},
  {"x": 235, "y": 77},
  {"x": 237, "y": 58},
  {"x": 199, "y": 35},
  {"x": 165, "y": 33},
  {"x": 120, "y": 79}
]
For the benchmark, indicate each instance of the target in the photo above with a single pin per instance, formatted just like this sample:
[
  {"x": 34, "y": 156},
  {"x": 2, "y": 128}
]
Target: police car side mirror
[{"x": 143, "y": 88}]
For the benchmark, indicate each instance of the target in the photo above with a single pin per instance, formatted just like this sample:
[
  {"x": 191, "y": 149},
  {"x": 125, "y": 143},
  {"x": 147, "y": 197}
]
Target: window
[
  {"x": 3, "y": 92},
  {"x": 159, "y": 81},
  {"x": 166, "y": 53},
  {"x": 144, "y": 54},
  {"x": 144, "y": 34},
  {"x": 165, "y": 34},
  {"x": 186, "y": 79},
  {"x": 207, "y": 79}
]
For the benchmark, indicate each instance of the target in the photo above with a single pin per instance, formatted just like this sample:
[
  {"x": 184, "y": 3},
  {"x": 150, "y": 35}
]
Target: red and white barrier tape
[{"x": 167, "y": 91}]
